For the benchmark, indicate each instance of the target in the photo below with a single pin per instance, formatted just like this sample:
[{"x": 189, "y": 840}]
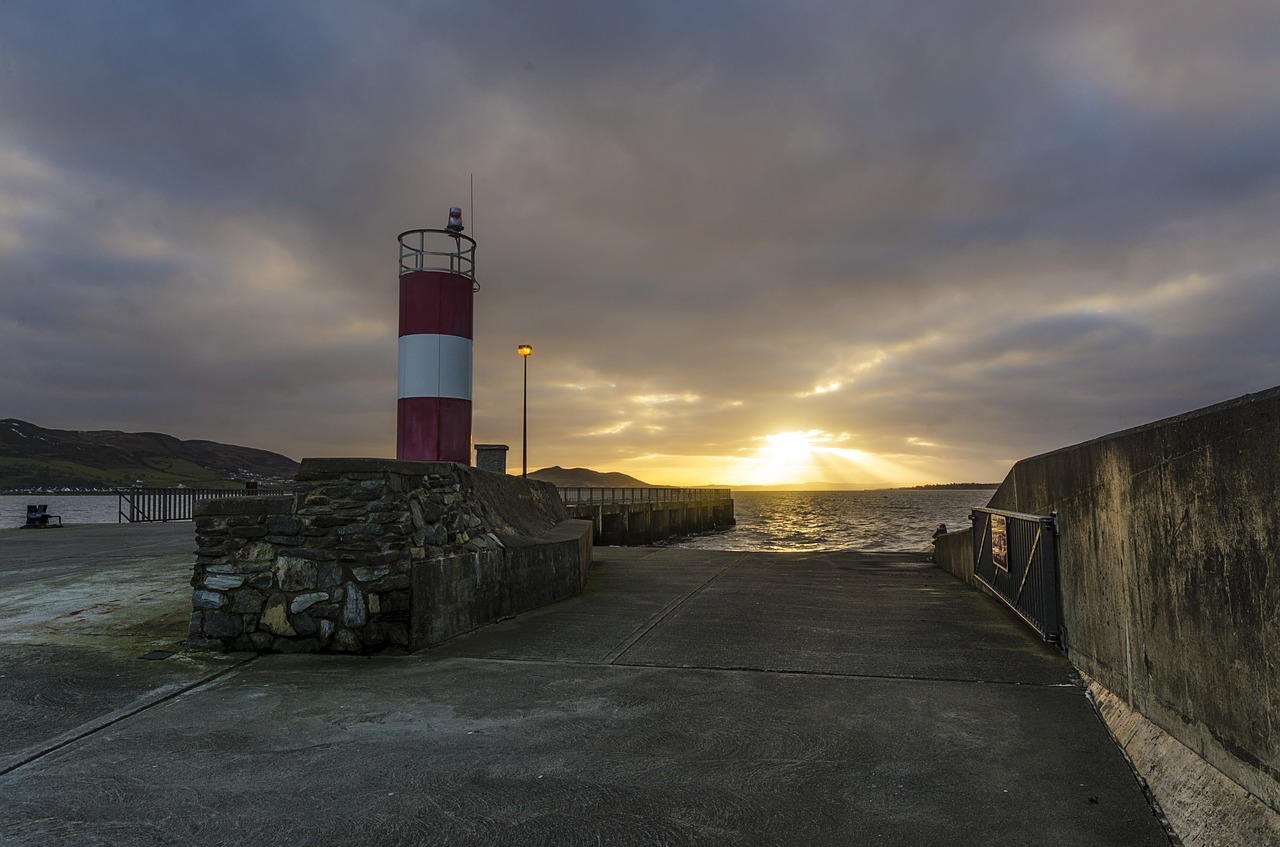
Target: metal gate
[{"x": 1016, "y": 555}]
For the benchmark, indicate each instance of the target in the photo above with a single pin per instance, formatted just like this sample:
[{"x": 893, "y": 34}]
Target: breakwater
[{"x": 633, "y": 517}]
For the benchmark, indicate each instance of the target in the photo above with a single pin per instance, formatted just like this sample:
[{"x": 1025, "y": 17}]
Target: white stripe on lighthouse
[{"x": 435, "y": 366}]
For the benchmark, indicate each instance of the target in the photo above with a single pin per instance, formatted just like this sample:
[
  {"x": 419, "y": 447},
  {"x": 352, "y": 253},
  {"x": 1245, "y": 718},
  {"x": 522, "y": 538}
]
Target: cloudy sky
[{"x": 874, "y": 242}]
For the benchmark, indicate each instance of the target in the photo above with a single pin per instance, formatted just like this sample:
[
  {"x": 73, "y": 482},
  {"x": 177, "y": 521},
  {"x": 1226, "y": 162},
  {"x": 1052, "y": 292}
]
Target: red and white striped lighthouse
[{"x": 437, "y": 285}]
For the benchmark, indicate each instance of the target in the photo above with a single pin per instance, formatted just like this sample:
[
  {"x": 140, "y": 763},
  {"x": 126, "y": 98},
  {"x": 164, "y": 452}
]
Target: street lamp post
[{"x": 525, "y": 350}]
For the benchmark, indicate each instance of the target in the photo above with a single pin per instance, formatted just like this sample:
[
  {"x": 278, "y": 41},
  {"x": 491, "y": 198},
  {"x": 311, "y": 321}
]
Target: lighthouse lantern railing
[{"x": 437, "y": 250}]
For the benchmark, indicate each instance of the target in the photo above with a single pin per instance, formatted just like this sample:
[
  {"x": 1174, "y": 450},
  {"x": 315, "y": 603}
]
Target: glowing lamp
[{"x": 525, "y": 350}]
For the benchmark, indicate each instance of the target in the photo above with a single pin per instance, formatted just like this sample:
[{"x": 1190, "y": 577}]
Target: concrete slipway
[{"x": 687, "y": 697}]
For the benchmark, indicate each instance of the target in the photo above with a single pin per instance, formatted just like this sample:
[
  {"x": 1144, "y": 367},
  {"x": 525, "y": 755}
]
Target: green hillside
[{"x": 34, "y": 457}]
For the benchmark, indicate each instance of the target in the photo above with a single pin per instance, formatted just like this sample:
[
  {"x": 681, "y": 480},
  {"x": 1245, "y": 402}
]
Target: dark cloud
[{"x": 948, "y": 234}]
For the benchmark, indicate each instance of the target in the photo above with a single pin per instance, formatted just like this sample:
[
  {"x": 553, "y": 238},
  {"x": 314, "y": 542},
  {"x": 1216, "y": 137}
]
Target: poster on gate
[{"x": 1000, "y": 543}]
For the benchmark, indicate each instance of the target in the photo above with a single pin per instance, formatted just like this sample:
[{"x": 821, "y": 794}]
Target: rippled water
[
  {"x": 767, "y": 520},
  {"x": 74, "y": 508},
  {"x": 841, "y": 520}
]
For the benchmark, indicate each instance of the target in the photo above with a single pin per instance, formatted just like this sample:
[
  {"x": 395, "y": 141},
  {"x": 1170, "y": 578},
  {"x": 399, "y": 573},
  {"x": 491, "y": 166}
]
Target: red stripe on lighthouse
[
  {"x": 435, "y": 304},
  {"x": 433, "y": 429}
]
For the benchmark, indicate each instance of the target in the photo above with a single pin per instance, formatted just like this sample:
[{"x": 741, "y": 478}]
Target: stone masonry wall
[{"x": 344, "y": 563}]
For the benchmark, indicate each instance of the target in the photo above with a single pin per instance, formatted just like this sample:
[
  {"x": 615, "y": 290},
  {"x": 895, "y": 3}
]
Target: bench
[{"x": 38, "y": 516}]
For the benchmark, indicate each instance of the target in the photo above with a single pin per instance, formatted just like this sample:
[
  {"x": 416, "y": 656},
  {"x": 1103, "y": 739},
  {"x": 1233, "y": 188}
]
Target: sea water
[
  {"x": 73, "y": 508},
  {"x": 766, "y": 520},
  {"x": 800, "y": 521}
]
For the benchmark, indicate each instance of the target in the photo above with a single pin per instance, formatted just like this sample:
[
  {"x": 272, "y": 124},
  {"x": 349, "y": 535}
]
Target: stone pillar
[{"x": 492, "y": 457}]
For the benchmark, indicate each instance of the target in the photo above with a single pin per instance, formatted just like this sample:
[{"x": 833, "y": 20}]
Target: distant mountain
[
  {"x": 952, "y": 486},
  {"x": 804, "y": 486},
  {"x": 34, "y": 457},
  {"x": 587, "y": 478},
  {"x": 863, "y": 486}
]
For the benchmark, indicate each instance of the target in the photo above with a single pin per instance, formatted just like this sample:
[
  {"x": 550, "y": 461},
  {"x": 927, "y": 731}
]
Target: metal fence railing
[
  {"x": 153, "y": 505},
  {"x": 1016, "y": 555},
  {"x": 594, "y": 496}
]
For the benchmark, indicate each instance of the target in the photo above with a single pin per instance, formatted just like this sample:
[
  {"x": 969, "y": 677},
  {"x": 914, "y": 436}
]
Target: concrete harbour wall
[
  {"x": 373, "y": 553},
  {"x": 953, "y": 552},
  {"x": 634, "y": 524},
  {"x": 1169, "y": 574}
]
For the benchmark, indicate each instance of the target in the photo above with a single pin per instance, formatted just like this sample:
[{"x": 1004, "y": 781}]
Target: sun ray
[{"x": 810, "y": 456}]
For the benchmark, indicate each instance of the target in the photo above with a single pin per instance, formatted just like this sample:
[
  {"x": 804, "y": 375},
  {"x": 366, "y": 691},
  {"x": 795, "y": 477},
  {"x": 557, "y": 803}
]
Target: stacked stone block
[{"x": 331, "y": 568}]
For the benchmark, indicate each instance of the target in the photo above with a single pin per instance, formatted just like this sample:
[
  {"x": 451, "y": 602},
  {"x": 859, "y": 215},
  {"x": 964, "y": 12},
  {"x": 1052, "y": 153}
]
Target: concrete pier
[
  {"x": 634, "y": 524},
  {"x": 685, "y": 697}
]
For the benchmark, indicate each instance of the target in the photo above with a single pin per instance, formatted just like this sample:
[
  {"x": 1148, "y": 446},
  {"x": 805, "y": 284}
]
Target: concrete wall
[
  {"x": 371, "y": 553},
  {"x": 953, "y": 553},
  {"x": 1169, "y": 572},
  {"x": 635, "y": 524}
]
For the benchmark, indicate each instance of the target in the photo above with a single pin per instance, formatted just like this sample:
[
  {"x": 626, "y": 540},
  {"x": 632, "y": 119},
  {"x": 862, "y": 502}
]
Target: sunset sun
[
  {"x": 785, "y": 458},
  {"x": 784, "y": 455},
  {"x": 795, "y": 457}
]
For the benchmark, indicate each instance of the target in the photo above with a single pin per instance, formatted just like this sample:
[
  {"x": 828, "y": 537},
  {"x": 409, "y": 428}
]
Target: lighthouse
[{"x": 437, "y": 288}]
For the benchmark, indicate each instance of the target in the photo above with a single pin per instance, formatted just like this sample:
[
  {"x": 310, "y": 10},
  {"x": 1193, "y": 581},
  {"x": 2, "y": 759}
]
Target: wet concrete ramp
[{"x": 687, "y": 697}]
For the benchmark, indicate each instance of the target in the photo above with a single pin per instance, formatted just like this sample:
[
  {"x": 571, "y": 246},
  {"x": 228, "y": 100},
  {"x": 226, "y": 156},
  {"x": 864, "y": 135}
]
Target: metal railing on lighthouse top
[{"x": 438, "y": 250}]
